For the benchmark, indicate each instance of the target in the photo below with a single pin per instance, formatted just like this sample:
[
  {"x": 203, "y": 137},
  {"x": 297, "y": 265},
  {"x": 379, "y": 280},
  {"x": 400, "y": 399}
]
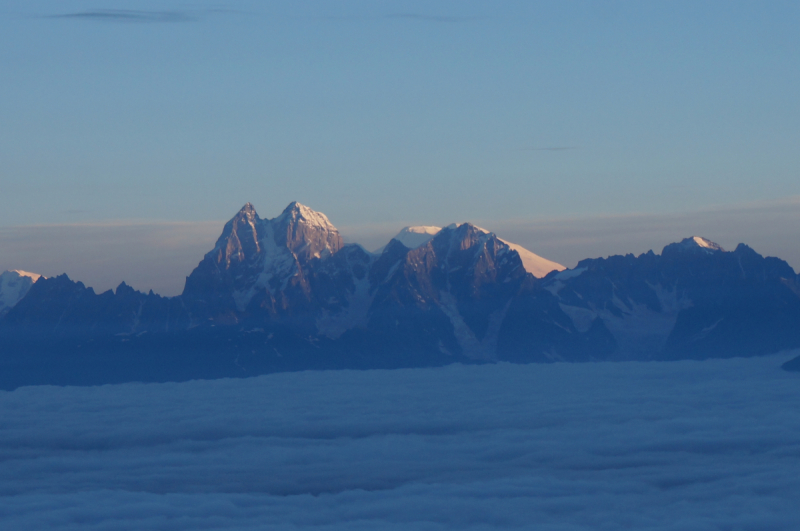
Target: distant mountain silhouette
[{"x": 287, "y": 294}]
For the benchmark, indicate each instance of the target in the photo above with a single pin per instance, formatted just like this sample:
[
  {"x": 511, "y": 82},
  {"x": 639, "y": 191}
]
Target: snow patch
[
  {"x": 310, "y": 216},
  {"x": 14, "y": 285},
  {"x": 695, "y": 243},
  {"x": 278, "y": 265},
  {"x": 639, "y": 331},
  {"x": 582, "y": 318},
  {"x": 33, "y": 276},
  {"x": 706, "y": 244},
  {"x": 473, "y": 348},
  {"x": 417, "y": 236},
  {"x": 570, "y": 273},
  {"x": 354, "y": 315},
  {"x": 413, "y": 237},
  {"x": 532, "y": 262}
]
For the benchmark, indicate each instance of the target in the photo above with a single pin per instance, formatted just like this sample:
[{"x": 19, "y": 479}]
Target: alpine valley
[{"x": 286, "y": 294}]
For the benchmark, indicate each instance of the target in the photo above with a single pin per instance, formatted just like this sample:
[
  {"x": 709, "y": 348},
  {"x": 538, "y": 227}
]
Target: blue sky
[{"x": 383, "y": 114}]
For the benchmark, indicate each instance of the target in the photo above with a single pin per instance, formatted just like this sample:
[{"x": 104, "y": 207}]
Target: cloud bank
[{"x": 682, "y": 445}]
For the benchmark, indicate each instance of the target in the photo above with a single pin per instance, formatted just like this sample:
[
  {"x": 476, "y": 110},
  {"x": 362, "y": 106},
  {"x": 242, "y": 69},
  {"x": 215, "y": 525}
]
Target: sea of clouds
[{"x": 681, "y": 445}]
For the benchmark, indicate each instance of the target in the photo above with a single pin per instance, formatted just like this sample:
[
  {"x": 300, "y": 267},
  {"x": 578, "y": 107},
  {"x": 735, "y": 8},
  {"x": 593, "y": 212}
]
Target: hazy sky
[{"x": 382, "y": 114}]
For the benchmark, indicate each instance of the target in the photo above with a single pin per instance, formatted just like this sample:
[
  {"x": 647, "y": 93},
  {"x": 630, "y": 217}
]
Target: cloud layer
[{"x": 685, "y": 445}]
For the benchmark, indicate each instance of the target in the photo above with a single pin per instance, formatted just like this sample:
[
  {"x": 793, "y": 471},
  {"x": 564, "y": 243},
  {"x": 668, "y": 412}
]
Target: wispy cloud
[
  {"x": 128, "y": 15},
  {"x": 432, "y": 18},
  {"x": 554, "y": 148}
]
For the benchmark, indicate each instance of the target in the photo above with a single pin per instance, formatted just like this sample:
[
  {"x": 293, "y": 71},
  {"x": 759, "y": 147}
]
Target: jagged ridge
[{"x": 287, "y": 294}]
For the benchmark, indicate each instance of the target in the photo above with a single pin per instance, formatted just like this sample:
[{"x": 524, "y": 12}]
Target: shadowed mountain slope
[{"x": 287, "y": 294}]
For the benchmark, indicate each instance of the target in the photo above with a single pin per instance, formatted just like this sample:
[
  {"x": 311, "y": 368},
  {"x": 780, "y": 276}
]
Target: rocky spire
[
  {"x": 306, "y": 232},
  {"x": 239, "y": 240}
]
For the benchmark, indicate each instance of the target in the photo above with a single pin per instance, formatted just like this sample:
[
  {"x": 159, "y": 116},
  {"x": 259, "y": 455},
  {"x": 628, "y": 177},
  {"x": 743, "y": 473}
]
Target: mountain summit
[
  {"x": 260, "y": 260},
  {"x": 413, "y": 237},
  {"x": 306, "y": 232},
  {"x": 286, "y": 294},
  {"x": 694, "y": 244}
]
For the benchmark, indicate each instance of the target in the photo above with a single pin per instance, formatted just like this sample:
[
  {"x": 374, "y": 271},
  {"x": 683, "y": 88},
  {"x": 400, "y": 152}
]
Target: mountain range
[{"x": 288, "y": 294}]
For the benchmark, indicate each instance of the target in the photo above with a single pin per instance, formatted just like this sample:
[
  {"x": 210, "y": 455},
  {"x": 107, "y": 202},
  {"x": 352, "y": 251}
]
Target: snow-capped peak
[
  {"x": 417, "y": 236},
  {"x": 247, "y": 212},
  {"x": 413, "y": 237},
  {"x": 299, "y": 212},
  {"x": 422, "y": 229},
  {"x": 33, "y": 276},
  {"x": 694, "y": 243},
  {"x": 14, "y": 285},
  {"x": 306, "y": 232},
  {"x": 532, "y": 262},
  {"x": 706, "y": 244}
]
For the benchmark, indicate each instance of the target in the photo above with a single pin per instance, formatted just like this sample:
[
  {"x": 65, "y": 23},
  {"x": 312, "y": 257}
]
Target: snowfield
[{"x": 680, "y": 445}]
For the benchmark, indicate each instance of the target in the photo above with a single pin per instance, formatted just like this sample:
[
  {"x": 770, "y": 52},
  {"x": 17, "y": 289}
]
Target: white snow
[
  {"x": 14, "y": 285},
  {"x": 646, "y": 446},
  {"x": 472, "y": 347},
  {"x": 702, "y": 243},
  {"x": 278, "y": 263},
  {"x": 309, "y": 215},
  {"x": 706, "y": 244},
  {"x": 533, "y": 263},
  {"x": 570, "y": 273},
  {"x": 639, "y": 331},
  {"x": 33, "y": 276},
  {"x": 413, "y": 237},
  {"x": 422, "y": 229},
  {"x": 354, "y": 315}
]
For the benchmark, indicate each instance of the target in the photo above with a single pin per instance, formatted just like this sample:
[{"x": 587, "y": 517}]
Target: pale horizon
[{"x": 159, "y": 255}]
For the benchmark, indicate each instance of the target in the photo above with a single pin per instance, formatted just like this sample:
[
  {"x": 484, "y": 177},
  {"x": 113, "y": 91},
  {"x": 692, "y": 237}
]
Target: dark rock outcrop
[{"x": 287, "y": 294}]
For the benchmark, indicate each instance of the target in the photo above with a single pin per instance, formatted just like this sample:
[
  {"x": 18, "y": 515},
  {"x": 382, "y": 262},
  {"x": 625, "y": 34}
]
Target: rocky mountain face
[
  {"x": 261, "y": 266},
  {"x": 287, "y": 294},
  {"x": 14, "y": 285},
  {"x": 60, "y": 308},
  {"x": 695, "y": 300},
  {"x": 413, "y": 237}
]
